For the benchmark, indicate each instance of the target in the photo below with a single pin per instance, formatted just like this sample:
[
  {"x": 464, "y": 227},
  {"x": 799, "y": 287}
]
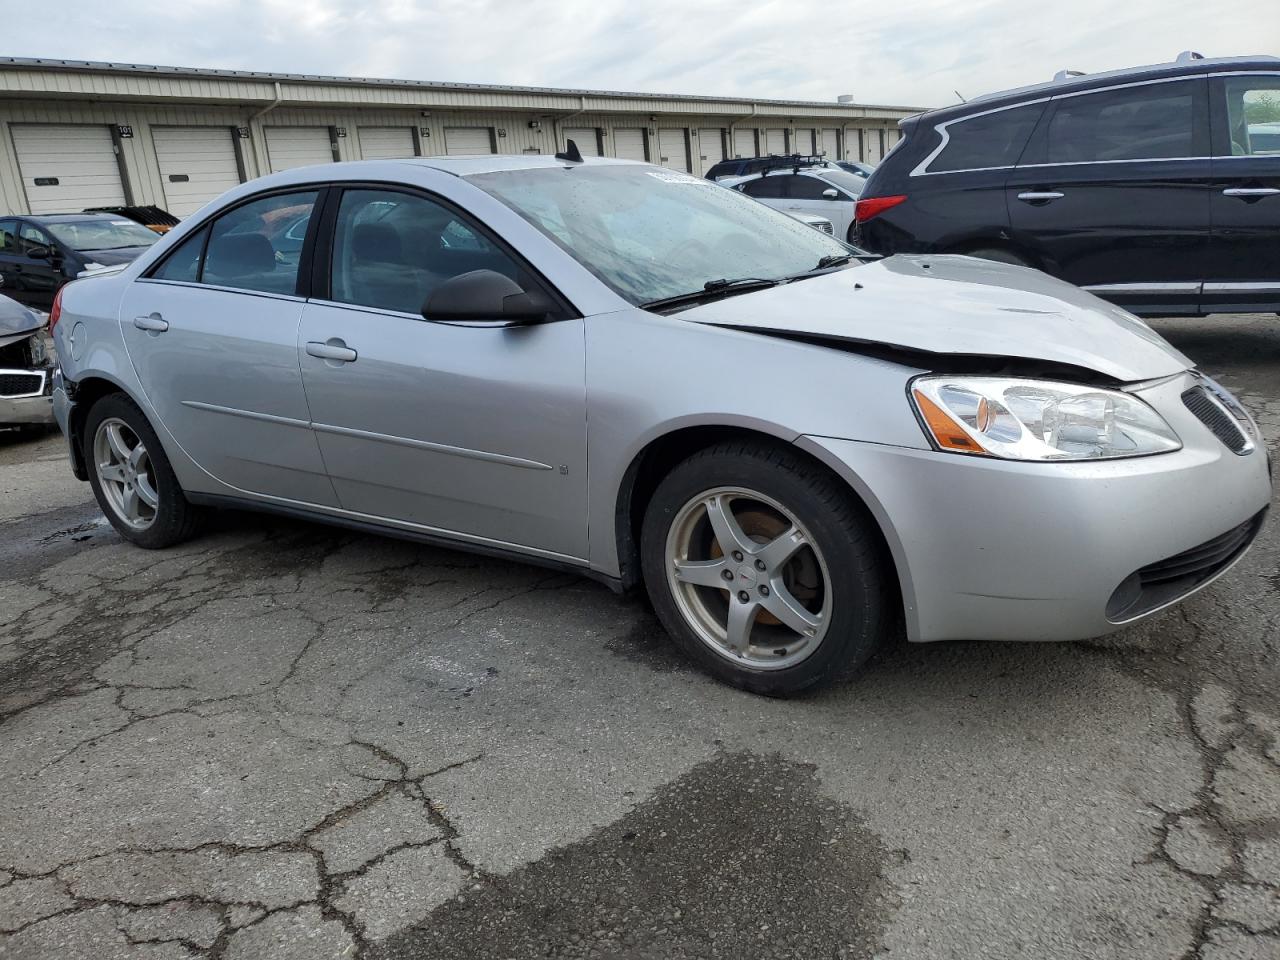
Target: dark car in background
[
  {"x": 26, "y": 369},
  {"x": 38, "y": 254},
  {"x": 1156, "y": 187}
]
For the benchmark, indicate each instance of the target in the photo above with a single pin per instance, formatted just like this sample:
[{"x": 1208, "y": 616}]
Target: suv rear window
[
  {"x": 989, "y": 140},
  {"x": 1156, "y": 121}
]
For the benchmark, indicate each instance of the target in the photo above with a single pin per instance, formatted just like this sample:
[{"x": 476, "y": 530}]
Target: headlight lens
[{"x": 1038, "y": 419}]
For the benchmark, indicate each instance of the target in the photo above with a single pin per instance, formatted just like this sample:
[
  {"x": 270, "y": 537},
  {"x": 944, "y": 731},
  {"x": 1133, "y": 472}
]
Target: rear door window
[
  {"x": 767, "y": 188},
  {"x": 8, "y": 236},
  {"x": 989, "y": 140},
  {"x": 1253, "y": 116},
  {"x": 1156, "y": 121},
  {"x": 185, "y": 262},
  {"x": 258, "y": 246}
]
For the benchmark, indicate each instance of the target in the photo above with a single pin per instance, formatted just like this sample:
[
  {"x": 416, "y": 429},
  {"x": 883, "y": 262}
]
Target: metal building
[{"x": 76, "y": 134}]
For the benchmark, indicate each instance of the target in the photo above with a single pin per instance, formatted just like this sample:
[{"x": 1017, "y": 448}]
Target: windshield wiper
[
  {"x": 713, "y": 290},
  {"x": 833, "y": 260}
]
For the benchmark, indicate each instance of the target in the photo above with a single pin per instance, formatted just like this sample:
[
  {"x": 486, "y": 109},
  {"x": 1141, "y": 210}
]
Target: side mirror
[
  {"x": 484, "y": 295},
  {"x": 831, "y": 193},
  {"x": 38, "y": 251}
]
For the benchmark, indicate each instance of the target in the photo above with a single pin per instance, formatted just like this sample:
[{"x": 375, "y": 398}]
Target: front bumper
[
  {"x": 1002, "y": 550},
  {"x": 28, "y": 408}
]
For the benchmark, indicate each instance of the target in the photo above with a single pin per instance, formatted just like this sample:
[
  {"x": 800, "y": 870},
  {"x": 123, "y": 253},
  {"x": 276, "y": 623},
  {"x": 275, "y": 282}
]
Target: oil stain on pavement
[{"x": 740, "y": 857}]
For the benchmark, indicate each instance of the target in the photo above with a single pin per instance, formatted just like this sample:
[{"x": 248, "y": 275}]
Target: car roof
[
  {"x": 66, "y": 217},
  {"x": 496, "y": 163},
  {"x": 1075, "y": 83}
]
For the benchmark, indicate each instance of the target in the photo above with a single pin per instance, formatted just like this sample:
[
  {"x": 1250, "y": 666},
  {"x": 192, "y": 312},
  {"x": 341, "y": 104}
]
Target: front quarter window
[{"x": 651, "y": 234}]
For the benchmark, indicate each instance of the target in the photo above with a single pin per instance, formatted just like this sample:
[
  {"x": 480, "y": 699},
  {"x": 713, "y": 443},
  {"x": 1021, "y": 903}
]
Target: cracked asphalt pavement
[{"x": 287, "y": 741}]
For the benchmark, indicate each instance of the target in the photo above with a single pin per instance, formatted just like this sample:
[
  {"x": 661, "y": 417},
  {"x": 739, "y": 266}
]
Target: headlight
[{"x": 1038, "y": 419}]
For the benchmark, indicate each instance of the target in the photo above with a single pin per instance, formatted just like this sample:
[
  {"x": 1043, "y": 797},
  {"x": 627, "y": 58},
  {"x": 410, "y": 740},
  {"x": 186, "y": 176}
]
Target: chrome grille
[{"x": 20, "y": 383}]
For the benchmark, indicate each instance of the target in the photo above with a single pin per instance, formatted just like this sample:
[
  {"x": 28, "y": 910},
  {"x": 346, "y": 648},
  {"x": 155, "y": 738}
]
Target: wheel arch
[
  {"x": 87, "y": 391},
  {"x": 657, "y": 457}
]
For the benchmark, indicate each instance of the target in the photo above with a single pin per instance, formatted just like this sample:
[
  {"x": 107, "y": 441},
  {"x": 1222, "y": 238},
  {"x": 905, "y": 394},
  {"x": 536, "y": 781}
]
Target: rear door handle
[
  {"x": 1040, "y": 196},
  {"x": 152, "y": 322},
  {"x": 334, "y": 349},
  {"x": 1250, "y": 192}
]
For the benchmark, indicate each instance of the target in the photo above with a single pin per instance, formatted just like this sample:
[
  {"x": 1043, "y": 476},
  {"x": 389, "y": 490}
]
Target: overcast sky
[{"x": 898, "y": 52}]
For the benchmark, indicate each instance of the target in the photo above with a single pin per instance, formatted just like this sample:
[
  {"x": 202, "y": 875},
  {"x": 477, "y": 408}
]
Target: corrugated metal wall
[{"x": 514, "y": 131}]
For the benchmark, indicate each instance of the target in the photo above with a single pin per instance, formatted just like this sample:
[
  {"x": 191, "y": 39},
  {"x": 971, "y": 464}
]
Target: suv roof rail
[
  {"x": 1186, "y": 56},
  {"x": 1066, "y": 75},
  {"x": 795, "y": 160}
]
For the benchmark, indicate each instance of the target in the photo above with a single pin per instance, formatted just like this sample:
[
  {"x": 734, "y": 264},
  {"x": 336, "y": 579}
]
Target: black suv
[{"x": 1157, "y": 187}]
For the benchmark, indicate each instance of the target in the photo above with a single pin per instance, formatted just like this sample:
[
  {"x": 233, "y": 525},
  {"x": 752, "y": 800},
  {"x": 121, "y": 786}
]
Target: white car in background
[
  {"x": 813, "y": 220},
  {"x": 819, "y": 189}
]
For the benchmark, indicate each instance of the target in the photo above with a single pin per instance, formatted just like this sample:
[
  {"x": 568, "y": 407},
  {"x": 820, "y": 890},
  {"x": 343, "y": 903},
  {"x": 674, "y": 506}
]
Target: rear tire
[
  {"x": 999, "y": 255},
  {"x": 131, "y": 477},
  {"x": 765, "y": 569}
]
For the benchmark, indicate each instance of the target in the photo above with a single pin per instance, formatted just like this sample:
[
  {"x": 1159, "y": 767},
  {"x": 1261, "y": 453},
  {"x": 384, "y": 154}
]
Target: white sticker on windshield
[
  {"x": 672, "y": 176},
  {"x": 122, "y": 223}
]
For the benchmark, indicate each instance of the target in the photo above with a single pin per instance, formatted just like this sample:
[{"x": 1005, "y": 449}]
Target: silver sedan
[{"x": 612, "y": 368}]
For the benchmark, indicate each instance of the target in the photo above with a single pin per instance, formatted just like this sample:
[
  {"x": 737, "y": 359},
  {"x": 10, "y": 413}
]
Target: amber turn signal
[{"x": 948, "y": 434}]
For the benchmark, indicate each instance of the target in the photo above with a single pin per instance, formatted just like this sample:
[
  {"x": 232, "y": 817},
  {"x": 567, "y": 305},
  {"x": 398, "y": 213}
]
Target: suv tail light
[
  {"x": 55, "y": 312},
  {"x": 864, "y": 210}
]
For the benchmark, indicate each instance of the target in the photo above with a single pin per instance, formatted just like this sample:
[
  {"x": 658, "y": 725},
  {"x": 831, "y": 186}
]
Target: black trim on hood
[{"x": 974, "y": 364}]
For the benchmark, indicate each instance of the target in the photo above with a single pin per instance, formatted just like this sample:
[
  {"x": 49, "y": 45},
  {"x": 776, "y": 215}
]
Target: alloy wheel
[
  {"x": 125, "y": 473},
  {"x": 748, "y": 578}
]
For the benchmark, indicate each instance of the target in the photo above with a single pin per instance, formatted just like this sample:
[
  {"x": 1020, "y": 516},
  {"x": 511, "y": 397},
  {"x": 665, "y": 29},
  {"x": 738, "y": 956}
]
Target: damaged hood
[
  {"x": 16, "y": 321},
  {"x": 950, "y": 305}
]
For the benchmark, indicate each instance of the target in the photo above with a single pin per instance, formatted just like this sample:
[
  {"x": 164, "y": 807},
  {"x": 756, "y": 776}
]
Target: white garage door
[
  {"x": 776, "y": 141},
  {"x": 466, "y": 141},
  {"x": 587, "y": 139},
  {"x": 804, "y": 141},
  {"x": 628, "y": 143},
  {"x": 289, "y": 147},
  {"x": 830, "y": 142},
  {"x": 386, "y": 143},
  {"x": 672, "y": 150},
  {"x": 710, "y": 148},
  {"x": 744, "y": 143},
  {"x": 67, "y": 168},
  {"x": 196, "y": 165}
]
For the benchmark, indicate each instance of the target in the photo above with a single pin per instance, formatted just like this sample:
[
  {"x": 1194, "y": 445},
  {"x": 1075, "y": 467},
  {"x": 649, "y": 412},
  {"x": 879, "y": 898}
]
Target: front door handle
[
  {"x": 152, "y": 323},
  {"x": 1247, "y": 192},
  {"x": 1040, "y": 196},
  {"x": 333, "y": 349}
]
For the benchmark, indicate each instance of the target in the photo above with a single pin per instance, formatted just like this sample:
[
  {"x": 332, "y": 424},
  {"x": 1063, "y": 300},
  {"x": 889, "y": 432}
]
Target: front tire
[
  {"x": 765, "y": 569},
  {"x": 131, "y": 477}
]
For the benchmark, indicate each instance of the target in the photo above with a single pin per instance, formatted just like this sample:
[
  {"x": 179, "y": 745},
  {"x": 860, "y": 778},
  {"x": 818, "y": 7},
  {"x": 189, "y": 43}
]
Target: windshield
[
  {"x": 86, "y": 235},
  {"x": 651, "y": 233}
]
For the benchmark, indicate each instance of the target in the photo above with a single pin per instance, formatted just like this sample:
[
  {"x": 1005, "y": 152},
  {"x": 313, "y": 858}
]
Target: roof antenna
[
  {"x": 958, "y": 94},
  {"x": 570, "y": 153}
]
